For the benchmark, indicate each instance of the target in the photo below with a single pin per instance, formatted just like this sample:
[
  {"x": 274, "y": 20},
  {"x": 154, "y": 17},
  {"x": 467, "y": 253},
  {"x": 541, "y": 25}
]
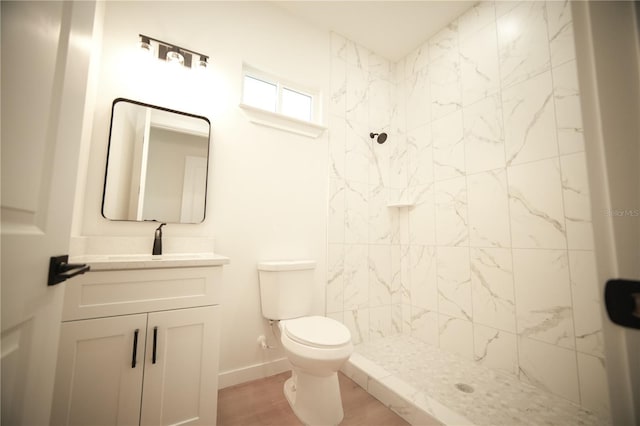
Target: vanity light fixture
[{"x": 173, "y": 53}]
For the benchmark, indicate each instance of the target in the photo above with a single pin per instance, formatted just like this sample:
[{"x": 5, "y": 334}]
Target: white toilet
[{"x": 316, "y": 346}]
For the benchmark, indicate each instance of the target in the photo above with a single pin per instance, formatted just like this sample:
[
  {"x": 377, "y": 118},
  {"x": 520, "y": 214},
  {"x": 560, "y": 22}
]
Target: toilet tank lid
[{"x": 286, "y": 265}]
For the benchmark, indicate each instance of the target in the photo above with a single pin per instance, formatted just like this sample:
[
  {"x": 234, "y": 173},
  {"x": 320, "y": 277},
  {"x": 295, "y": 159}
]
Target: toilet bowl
[{"x": 316, "y": 347}]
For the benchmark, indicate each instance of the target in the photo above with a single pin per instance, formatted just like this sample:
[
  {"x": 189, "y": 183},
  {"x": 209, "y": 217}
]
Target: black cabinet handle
[
  {"x": 155, "y": 344},
  {"x": 135, "y": 348}
]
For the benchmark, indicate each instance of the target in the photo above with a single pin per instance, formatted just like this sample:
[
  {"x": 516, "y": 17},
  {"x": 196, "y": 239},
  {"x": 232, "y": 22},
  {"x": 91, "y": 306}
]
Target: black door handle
[
  {"x": 622, "y": 299},
  {"x": 60, "y": 270}
]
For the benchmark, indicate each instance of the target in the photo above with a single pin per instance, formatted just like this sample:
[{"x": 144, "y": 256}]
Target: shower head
[{"x": 381, "y": 137}]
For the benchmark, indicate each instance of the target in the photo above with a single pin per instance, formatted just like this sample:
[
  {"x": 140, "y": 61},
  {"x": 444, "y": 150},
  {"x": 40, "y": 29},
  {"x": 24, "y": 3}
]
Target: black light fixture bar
[{"x": 164, "y": 47}]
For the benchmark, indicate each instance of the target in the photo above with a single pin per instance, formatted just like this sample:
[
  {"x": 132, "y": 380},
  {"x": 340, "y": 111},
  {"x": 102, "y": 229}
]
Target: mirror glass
[{"x": 157, "y": 164}]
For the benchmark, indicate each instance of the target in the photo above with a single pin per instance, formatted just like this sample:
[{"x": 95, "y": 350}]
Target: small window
[
  {"x": 260, "y": 94},
  {"x": 273, "y": 94},
  {"x": 296, "y": 104}
]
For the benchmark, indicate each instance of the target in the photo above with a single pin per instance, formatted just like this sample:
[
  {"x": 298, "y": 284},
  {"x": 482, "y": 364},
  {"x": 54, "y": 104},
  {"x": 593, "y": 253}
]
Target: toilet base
[{"x": 314, "y": 400}]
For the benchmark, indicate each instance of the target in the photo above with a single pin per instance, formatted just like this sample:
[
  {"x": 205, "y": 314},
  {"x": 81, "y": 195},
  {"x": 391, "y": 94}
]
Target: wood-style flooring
[{"x": 262, "y": 402}]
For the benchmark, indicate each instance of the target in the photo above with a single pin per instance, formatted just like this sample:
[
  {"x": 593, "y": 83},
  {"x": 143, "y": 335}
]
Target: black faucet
[{"x": 157, "y": 240}]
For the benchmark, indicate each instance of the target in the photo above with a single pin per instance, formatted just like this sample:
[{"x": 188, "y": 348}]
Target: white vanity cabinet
[{"x": 139, "y": 346}]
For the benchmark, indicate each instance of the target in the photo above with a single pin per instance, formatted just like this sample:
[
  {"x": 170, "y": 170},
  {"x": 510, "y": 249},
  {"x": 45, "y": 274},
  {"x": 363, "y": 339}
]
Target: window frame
[{"x": 281, "y": 84}]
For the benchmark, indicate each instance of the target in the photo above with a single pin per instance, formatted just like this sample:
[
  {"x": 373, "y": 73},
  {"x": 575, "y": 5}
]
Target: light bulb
[
  {"x": 145, "y": 45},
  {"x": 202, "y": 63},
  {"x": 174, "y": 56}
]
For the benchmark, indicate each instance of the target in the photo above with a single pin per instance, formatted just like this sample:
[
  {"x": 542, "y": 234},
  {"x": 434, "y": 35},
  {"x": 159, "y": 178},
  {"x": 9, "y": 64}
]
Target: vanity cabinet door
[
  {"x": 97, "y": 382},
  {"x": 181, "y": 381}
]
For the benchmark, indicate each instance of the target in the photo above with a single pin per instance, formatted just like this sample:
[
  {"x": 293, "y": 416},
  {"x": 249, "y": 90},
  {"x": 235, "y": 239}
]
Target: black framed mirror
[{"x": 157, "y": 164}]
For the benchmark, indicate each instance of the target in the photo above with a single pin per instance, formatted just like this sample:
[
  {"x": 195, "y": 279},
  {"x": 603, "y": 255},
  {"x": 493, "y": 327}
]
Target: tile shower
[{"x": 493, "y": 259}]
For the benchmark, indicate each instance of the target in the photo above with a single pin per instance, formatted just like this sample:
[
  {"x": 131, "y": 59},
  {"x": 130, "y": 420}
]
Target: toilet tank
[{"x": 286, "y": 288}]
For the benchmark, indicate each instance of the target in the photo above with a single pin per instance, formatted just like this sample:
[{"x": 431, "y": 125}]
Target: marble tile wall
[
  {"x": 494, "y": 260},
  {"x": 364, "y": 288}
]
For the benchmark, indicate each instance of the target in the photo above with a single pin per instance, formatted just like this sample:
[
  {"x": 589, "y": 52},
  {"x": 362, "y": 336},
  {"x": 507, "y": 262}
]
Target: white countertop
[{"x": 107, "y": 262}]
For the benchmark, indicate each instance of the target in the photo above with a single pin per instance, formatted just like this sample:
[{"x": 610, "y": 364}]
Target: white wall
[{"x": 267, "y": 188}]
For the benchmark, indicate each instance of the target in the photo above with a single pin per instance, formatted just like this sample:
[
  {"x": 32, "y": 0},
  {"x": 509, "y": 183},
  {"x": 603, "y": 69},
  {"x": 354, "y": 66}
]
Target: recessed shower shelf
[{"x": 400, "y": 204}]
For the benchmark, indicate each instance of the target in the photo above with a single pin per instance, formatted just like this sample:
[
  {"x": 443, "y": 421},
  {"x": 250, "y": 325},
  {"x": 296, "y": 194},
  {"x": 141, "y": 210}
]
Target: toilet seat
[{"x": 317, "y": 331}]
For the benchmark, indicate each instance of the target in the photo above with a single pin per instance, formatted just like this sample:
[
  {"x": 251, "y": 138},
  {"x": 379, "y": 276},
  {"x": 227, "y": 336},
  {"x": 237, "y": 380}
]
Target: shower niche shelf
[{"x": 400, "y": 204}]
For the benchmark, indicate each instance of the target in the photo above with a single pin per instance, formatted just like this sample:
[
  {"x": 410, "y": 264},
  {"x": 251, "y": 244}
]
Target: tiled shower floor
[{"x": 416, "y": 378}]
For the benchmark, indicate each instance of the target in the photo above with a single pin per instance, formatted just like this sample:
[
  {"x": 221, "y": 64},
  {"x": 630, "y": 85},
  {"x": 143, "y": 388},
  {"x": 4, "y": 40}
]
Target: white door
[
  {"x": 45, "y": 62},
  {"x": 607, "y": 37},
  {"x": 181, "y": 381},
  {"x": 99, "y": 373}
]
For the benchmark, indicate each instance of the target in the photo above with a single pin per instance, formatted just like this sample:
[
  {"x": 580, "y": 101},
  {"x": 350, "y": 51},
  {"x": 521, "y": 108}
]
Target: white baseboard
[{"x": 252, "y": 372}]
